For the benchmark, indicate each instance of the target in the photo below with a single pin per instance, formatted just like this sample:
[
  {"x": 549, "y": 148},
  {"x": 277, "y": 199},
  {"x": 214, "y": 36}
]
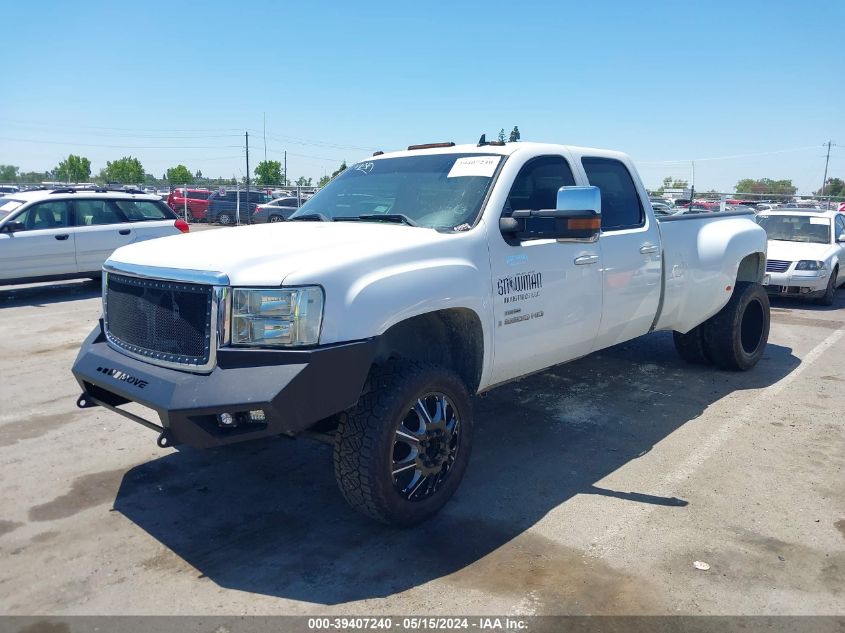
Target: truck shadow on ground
[
  {"x": 267, "y": 518},
  {"x": 46, "y": 294}
]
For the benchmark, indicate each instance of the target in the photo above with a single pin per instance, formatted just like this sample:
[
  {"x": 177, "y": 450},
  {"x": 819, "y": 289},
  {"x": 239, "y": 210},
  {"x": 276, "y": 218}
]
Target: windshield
[
  {"x": 440, "y": 191},
  {"x": 7, "y": 205},
  {"x": 796, "y": 228}
]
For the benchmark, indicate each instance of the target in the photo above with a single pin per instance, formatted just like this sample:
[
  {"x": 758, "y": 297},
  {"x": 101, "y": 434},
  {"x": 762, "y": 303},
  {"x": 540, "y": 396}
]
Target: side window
[
  {"x": 141, "y": 210},
  {"x": 537, "y": 183},
  {"x": 97, "y": 212},
  {"x": 46, "y": 215},
  {"x": 840, "y": 226},
  {"x": 620, "y": 204}
]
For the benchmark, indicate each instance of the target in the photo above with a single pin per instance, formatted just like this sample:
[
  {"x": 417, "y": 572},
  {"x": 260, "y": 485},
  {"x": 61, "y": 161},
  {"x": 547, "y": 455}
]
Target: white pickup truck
[{"x": 411, "y": 281}]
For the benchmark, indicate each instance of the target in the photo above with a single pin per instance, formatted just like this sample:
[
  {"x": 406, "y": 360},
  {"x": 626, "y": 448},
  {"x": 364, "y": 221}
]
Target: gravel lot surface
[{"x": 593, "y": 488}]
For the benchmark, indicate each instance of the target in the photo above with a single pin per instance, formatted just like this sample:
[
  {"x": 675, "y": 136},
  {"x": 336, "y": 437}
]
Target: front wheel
[
  {"x": 735, "y": 338},
  {"x": 830, "y": 292},
  {"x": 401, "y": 452}
]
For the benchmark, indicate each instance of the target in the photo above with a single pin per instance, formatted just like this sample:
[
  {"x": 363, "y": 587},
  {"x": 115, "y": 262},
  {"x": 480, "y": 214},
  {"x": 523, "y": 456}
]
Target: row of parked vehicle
[
  {"x": 667, "y": 206},
  {"x": 230, "y": 206}
]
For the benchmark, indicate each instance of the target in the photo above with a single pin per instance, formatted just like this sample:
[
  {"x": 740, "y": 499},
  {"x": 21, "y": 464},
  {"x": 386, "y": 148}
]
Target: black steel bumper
[{"x": 294, "y": 388}]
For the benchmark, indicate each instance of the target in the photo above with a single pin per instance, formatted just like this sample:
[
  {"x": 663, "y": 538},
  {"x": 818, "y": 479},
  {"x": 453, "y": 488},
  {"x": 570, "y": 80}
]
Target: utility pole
[
  {"x": 248, "y": 214},
  {"x": 286, "y": 168},
  {"x": 692, "y": 190},
  {"x": 826, "y": 161},
  {"x": 265, "y": 137}
]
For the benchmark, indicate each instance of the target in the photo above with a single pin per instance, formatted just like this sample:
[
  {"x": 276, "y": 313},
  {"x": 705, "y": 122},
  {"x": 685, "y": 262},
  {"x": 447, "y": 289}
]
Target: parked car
[
  {"x": 7, "y": 189},
  {"x": 197, "y": 200},
  {"x": 661, "y": 208},
  {"x": 409, "y": 282},
  {"x": 276, "y": 210},
  {"x": 224, "y": 208},
  {"x": 806, "y": 252},
  {"x": 47, "y": 235}
]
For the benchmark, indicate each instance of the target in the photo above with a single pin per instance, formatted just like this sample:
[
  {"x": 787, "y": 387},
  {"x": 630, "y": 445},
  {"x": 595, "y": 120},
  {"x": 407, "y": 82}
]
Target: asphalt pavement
[{"x": 593, "y": 488}]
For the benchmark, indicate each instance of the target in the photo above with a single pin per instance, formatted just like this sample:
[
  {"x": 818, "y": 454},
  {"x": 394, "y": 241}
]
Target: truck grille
[
  {"x": 168, "y": 322},
  {"x": 777, "y": 266}
]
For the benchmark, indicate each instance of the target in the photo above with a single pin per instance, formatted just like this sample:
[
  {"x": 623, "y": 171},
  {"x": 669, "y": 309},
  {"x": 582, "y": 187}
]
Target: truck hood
[
  {"x": 266, "y": 254},
  {"x": 795, "y": 251}
]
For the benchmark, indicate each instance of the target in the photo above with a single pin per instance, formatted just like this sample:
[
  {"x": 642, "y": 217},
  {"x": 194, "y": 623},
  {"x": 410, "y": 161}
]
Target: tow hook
[
  {"x": 165, "y": 440},
  {"x": 85, "y": 401}
]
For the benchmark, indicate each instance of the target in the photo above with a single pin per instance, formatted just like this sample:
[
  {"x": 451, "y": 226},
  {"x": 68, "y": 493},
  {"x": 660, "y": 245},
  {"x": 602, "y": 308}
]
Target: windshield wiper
[
  {"x": 307, "y": 217},
  {"x": 401, "y": 218}
]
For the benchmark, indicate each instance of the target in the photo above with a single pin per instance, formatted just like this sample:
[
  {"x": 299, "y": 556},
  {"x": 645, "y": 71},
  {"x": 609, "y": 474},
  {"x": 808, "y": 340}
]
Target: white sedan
[
  {"x": 67, "y": 233},
  {"x": 805, "y": 254}
]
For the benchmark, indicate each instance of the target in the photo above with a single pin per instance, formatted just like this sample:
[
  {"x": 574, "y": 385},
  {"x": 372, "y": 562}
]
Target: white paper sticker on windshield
[
  {"x": 474, "y": 166},
  {"x": 824, "y": 221}
]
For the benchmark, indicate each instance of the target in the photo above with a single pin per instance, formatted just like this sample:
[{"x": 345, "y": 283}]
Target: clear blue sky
[{"x": 173, "y": 83}]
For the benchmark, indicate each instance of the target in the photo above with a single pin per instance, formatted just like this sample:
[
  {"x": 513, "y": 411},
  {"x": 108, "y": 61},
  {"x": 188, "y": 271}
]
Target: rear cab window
[{"x": 621, "y": 207}]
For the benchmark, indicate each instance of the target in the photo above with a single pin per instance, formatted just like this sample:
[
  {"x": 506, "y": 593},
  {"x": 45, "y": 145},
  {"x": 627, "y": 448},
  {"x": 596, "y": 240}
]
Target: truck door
[
  {"x": 631, "y": 253},
  {"x": 547, "y": 300}
]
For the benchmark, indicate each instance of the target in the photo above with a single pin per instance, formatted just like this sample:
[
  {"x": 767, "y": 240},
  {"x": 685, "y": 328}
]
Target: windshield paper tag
[
  {"x": 474, "y": 166},
  {"x": 824, "y": 221}
]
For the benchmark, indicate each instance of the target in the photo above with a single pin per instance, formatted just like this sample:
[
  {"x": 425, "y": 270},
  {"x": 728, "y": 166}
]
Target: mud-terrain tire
[
  {"x": 386, "y": 441},
  {"x": 691, "y": 346},
  {"x": 735, "y": 338},
  {"x": 830, "y": 292}
]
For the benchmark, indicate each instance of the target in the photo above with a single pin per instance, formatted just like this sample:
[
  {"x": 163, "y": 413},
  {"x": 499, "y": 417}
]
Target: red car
[{"x": 197, "y": 203}]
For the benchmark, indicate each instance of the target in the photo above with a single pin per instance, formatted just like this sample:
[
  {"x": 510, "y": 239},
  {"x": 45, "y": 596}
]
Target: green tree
[
  {"x": 179, "y": 175},
  {"x": 268, "y": 172},
  {"x": 302, "y": 181},
  {"x": 198, "y": 175},
  {"x": 73, "y": 169},
  {"x": 35, "y": 176},
  {"x": 515, "y": 135},
  {"x": 502, "y": 135},
  {"x": 8, "y": 173},
  {"x": 766, "y": 185},
  {"x": 833, "y": 187},
  {"x": 323, "y": 181},
  {"x": 339, "y": 169},
  {"x": 126, "y": 170}
]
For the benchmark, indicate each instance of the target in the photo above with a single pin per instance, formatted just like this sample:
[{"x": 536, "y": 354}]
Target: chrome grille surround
[{"x": 213, "y": 284}]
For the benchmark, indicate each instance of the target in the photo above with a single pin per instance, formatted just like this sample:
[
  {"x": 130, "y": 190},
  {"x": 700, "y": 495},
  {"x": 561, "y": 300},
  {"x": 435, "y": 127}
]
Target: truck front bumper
[
  {"x": 293, "y": 389},
  {"x": 797, "y": 285}
]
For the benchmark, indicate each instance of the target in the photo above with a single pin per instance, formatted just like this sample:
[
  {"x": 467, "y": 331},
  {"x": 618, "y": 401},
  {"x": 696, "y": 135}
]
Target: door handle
[
  {"x": 649, "y": 248},
  {"x": 586, "y": 259},
  {"x": 125, "y": 231},
  {"x": 62, "y": 237}
]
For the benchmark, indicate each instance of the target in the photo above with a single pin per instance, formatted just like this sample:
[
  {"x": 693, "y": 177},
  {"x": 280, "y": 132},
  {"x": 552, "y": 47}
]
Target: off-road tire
[
  {"x": 225, "y": 219},
  {"x": 364, "y": 442},
  {"x": 735, "y": 338},
  {"x": 691, "y": 346},
  {"x": 830, "y": 292}
]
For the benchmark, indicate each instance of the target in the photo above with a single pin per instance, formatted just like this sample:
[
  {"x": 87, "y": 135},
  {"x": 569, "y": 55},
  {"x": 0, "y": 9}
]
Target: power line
[
  {"x": 72, "y": 143},
  {"x": 750, "y": 155}
]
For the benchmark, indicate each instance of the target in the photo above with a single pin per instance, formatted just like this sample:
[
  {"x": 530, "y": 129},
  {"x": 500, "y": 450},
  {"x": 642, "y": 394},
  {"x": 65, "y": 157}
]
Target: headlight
[
  {"x": 809, "y": 264},
  {"x": 277, "y": 317}
]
